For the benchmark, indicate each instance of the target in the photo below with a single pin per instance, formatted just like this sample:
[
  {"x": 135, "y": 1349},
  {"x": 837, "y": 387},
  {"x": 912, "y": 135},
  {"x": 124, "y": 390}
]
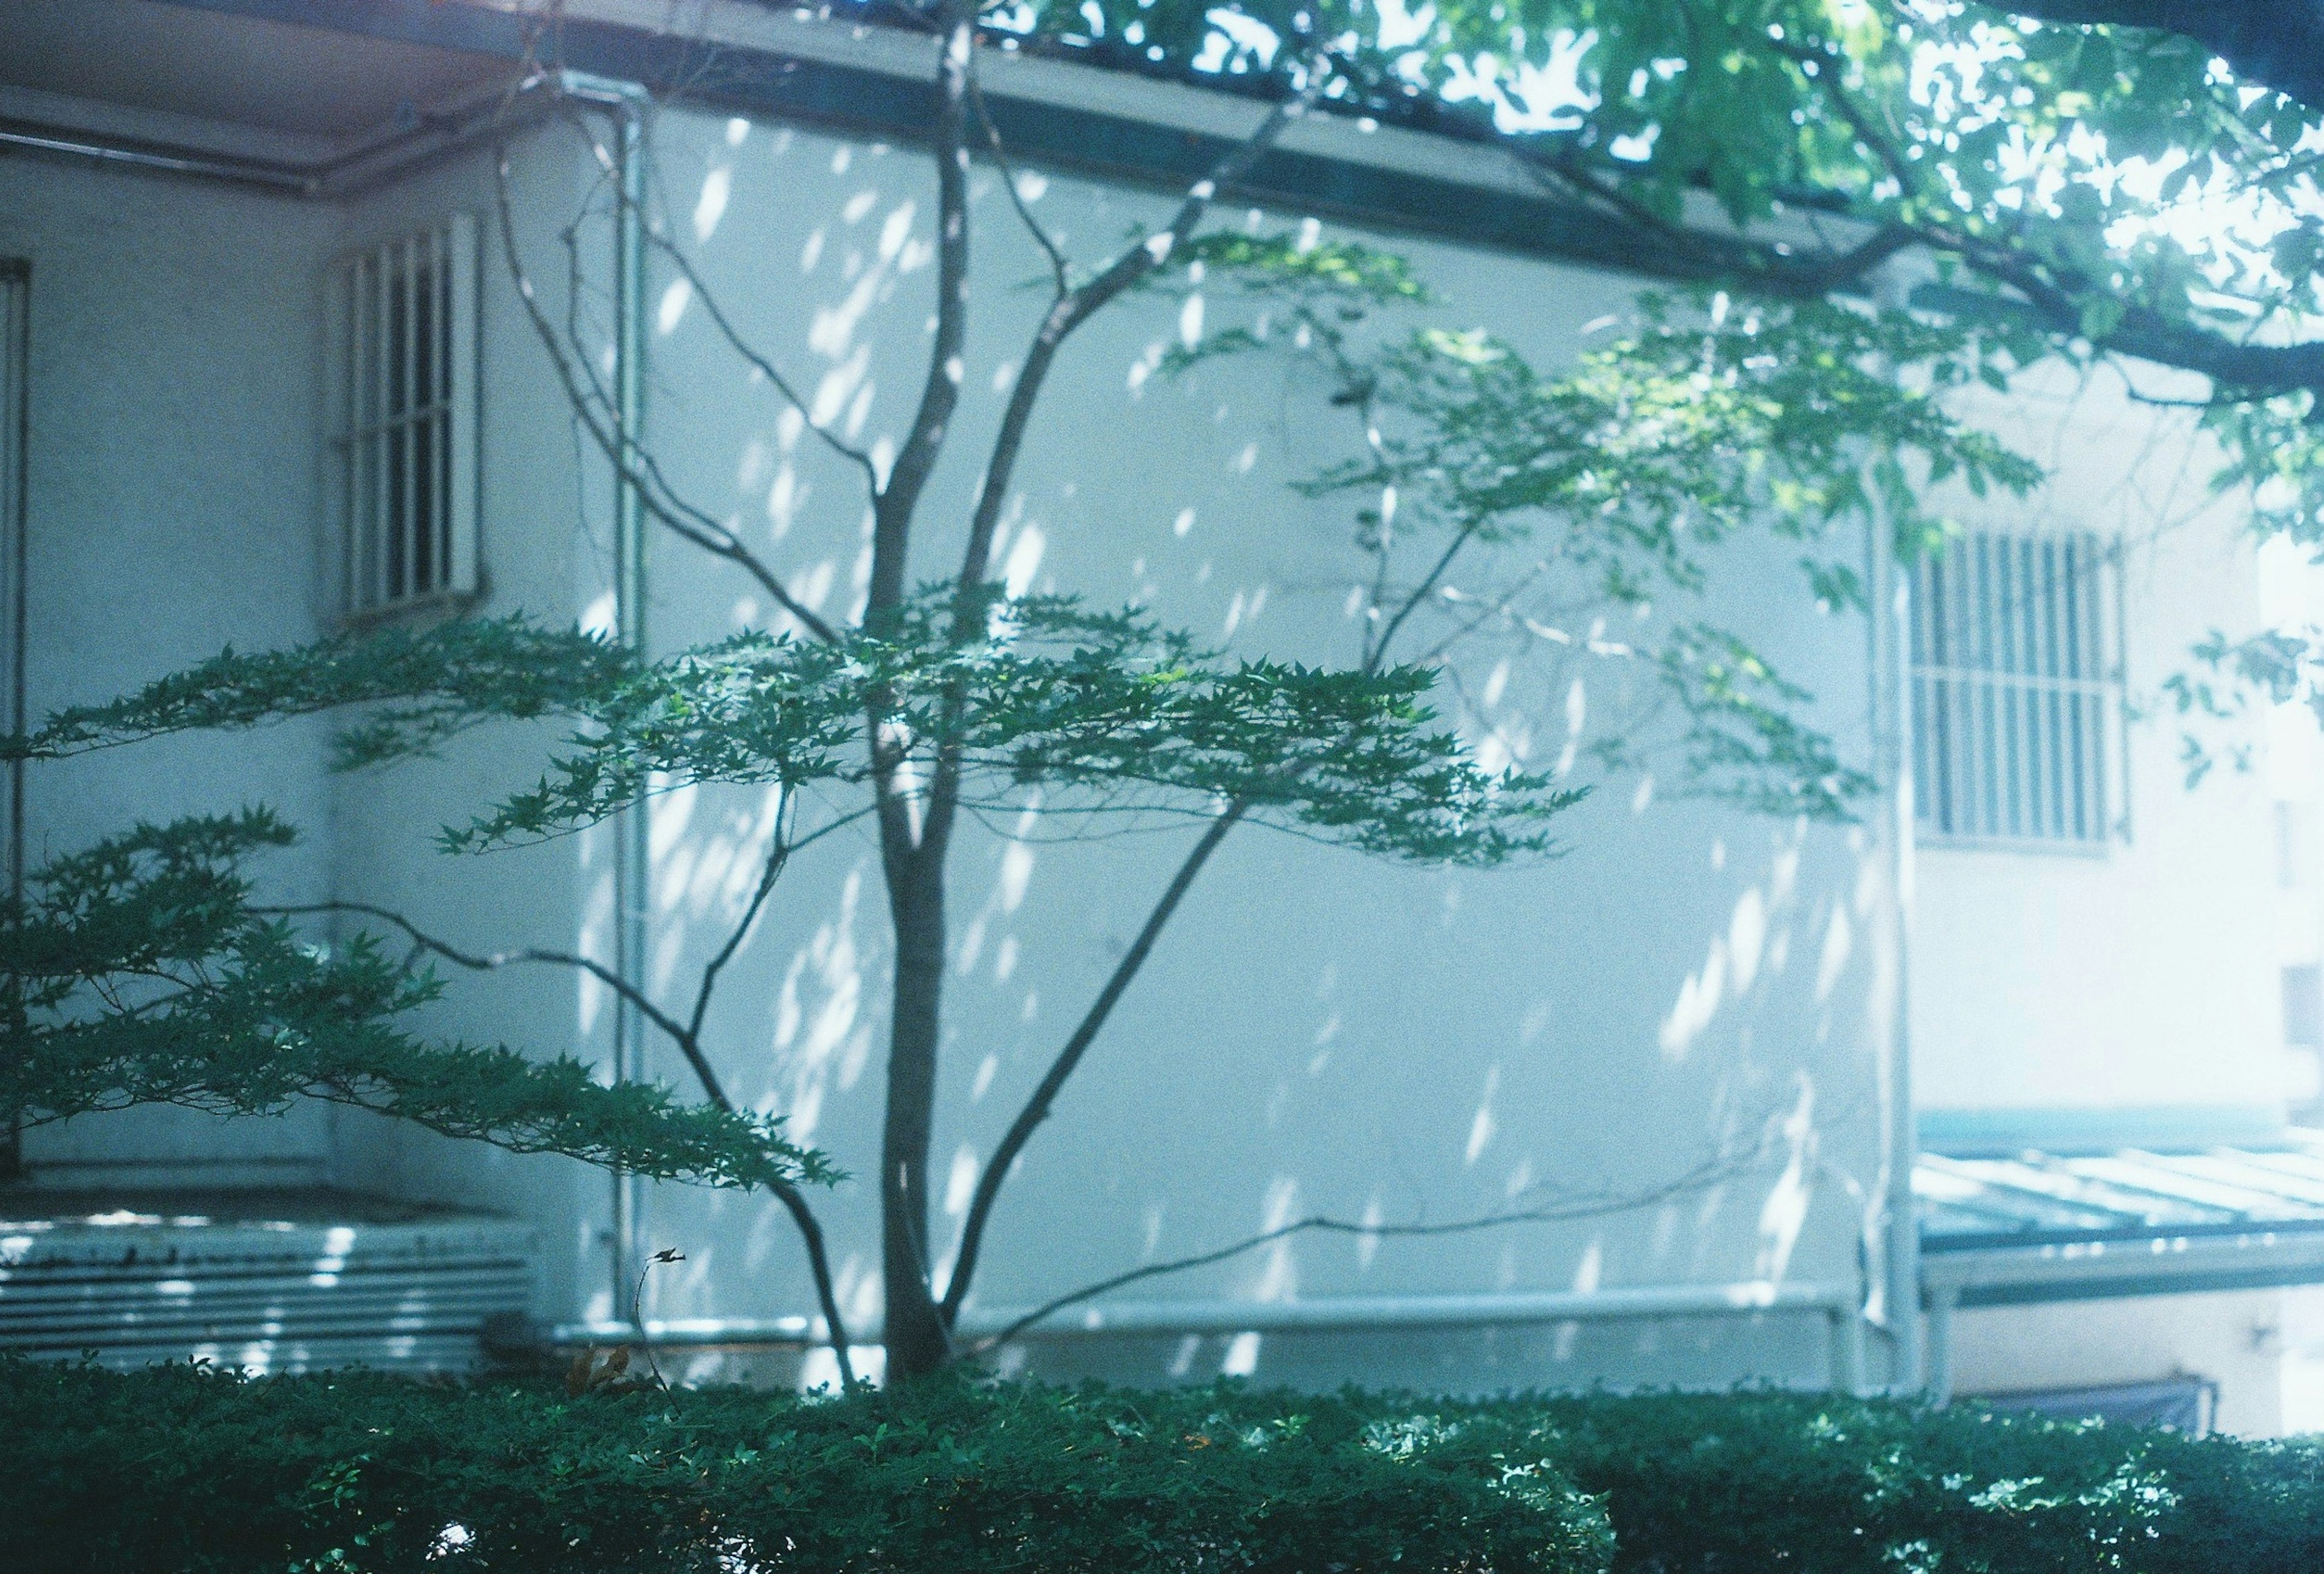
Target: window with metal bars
[
  {"x": 2016, "y": 691},
  {"x": 405, "y": 445}
]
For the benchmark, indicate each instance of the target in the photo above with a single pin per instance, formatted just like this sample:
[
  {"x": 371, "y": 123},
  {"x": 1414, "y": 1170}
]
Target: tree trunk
[{"x": 916, "y": 1342}]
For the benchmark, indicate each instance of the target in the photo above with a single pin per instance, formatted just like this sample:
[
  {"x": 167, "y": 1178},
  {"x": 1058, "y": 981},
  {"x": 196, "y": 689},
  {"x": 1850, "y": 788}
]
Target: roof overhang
[{"x": 397, "y": 60}]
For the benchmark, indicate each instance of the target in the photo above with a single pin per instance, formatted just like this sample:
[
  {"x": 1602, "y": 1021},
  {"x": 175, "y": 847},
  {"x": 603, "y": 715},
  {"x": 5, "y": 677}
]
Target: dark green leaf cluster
[
  {"x": 359, "y": 1471},
  {"x": 1703, "y": 1483},
  {"x": 138, "y": 972},
  {"x": 1044, "y": 693},
  {"x": 424, "y": 686},
  {"x": 177, "y": 1470}
]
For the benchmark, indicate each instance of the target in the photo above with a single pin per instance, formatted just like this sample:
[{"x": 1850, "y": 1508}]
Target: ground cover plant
[{"x": 183, "y": 1469}]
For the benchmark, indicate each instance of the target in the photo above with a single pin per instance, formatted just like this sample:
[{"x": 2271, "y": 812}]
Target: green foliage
[
  {"x": 424, "y": 686},
  {"x": 1699, "y": 1483},
  {"x": 1609, "y": 488},
  {"x": 1103, "y": 710},
  {"x": 1110, "y": 706},
  {"x": 182, "y": 1471},
  {"x": 2093, "y": 193},
  {"x": 139, "y": 973},
  {"x": 180, "y": 1468}
]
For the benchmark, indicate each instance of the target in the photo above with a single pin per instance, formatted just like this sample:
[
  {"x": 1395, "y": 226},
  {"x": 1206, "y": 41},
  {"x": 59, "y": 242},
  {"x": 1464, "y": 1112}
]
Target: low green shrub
[
  {"x": 177, "y": 1470},
  {"x": 1727, "y": 1484},
  {"x": 181, "y": 1470}
]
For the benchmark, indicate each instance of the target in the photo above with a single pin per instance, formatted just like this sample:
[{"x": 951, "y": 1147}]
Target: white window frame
[
  {"x": 404, "y": 416},
  {"x": 2017, "y": 693}
]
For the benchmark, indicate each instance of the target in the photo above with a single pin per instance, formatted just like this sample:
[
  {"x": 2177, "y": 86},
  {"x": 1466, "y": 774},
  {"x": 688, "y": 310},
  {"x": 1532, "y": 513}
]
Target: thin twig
[
  {"x": 1057, "y": 266},
  {"x": 1707, "y": 1175},
  {"x": 1075, "y": 307},
  {"x": 1036, "y": 1108},
  {"x": 690, "y": 524}
]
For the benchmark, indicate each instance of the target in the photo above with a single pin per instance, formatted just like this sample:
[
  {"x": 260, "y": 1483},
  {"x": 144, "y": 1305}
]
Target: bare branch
[
  {"x": 492, "y": 962},
  {"x": 765, "y": 368},
  {"x": 1077, "y": 306},
  {"x": 1036, "y": 1108},
  {"x": 1460, "y": 537},
  {"x": 734, "y": 339},
  {"x": 1033, "y": 227},
  {"x": 777, "y": 857},
  {"x": 1709, "y": 1173},
  {"x": 653, "y": 488}
]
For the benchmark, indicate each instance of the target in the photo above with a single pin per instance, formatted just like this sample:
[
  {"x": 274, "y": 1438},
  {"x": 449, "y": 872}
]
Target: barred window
[
  {"x": 2017, "y": 701},
  {"x": 405, "y": 443}
]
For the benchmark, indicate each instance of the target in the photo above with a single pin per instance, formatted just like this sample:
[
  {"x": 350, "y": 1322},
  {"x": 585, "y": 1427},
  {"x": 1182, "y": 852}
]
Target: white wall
[
  {"x": 2236, "y": 1339},
  {"x": 173, "y": 476},
  {"x": 2146, "y": 977},
  {"x": 1317, "y": 1032},
  {"x": 545, "y": 533}
]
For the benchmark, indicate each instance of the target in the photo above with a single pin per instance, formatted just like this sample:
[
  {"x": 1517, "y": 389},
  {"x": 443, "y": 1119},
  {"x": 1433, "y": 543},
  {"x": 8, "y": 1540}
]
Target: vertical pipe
[
  {"x": 633, "y": 863},
  {"x": 1847, "y": 1349},
  {"x": 2118, "y": 701},
  {"x": 1893, "y": 644},
  {"x": 1938, "y": 1390},
  {"x": 15, "y": 557},
  {"x": 407, "y": 454}
]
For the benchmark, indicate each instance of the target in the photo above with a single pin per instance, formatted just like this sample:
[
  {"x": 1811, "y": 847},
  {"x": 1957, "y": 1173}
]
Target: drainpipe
[
  {"x": 1892, "y": 719},
  {"x": 624, "y": 104}
]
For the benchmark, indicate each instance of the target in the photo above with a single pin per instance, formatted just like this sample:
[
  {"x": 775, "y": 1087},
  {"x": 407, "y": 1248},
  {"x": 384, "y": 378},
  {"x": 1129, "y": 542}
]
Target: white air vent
[
  {"x": 309, "y": 1282},
  {"x": 404, "y": 430}
]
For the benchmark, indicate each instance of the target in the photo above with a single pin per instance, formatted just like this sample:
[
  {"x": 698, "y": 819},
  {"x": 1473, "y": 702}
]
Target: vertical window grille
[
  {"x": 406, "y": 443},
  {"x": 2017, "y": 707}
]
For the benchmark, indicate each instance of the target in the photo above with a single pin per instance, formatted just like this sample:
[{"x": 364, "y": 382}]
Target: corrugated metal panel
[
  {"x": 274, "y": 1285},
  {"x": 2042, "y": 1197},
  {"x": 2041, "y": 1227}
]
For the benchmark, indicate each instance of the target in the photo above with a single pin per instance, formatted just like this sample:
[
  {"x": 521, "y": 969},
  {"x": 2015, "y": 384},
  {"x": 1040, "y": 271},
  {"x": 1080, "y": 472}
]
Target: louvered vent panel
[{"x": 280, "y": 1290}]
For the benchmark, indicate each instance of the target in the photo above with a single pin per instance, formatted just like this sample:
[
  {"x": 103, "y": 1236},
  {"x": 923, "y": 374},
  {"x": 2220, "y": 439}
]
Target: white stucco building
[{"x": 2037, "y": 940}]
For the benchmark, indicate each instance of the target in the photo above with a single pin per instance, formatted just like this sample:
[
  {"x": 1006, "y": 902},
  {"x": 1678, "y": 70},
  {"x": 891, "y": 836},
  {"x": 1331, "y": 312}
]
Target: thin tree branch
[
  {"x": 765, "y": 368},
  {"x": 1036, "y": 1108},
  {"x": 1057, "y": 266},
  {"x": 492, "y": 962},
  {"x": 1707, "y": 1175},
  {"x": 682, "y": 519},
  {"x": 734, "y": 339},
  {"x": 792, "y": 1199},
  {"x": 1075, "y": 307},
  {"x": 1460, "y": 538},
  {"x": 777, "y": 857}
]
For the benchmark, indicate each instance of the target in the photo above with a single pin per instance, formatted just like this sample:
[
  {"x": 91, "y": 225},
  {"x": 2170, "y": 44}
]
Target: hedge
[
  {"x": 181, "y": 1470},
  {"x": 176, "y": 1469},
  {"x": 1729, "y": 1484}
]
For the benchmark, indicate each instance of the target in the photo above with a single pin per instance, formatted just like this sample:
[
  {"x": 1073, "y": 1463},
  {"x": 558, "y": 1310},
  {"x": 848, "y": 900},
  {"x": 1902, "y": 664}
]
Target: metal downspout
[
  {"x": 624, "y": 104},
  {"x": 1892, "y": 705}
]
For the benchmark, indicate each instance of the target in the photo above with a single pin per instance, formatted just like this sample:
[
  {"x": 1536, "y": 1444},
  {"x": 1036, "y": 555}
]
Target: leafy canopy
[{"x": 138, "y": 972}]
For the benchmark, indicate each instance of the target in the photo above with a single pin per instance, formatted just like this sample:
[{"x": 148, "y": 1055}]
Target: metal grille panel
[
  {"x": 2017, "y": 708},
  {"x": 406, "y": 432},
  {"x": 277, "y": 1290}
]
